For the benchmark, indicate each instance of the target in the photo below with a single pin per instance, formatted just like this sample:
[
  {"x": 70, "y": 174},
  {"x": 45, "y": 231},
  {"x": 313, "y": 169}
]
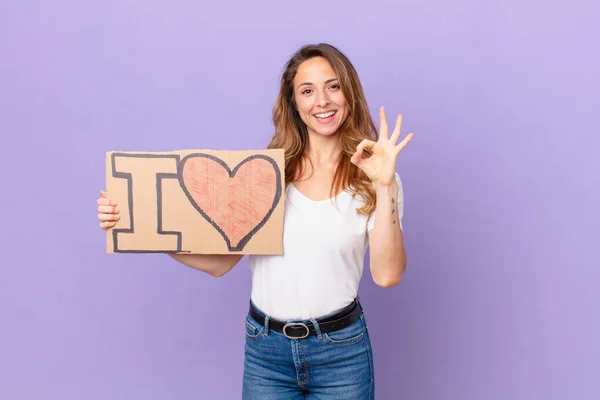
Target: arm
[
  {"x": 388, "y": 255},
  {"x": 216, "y": 265}
]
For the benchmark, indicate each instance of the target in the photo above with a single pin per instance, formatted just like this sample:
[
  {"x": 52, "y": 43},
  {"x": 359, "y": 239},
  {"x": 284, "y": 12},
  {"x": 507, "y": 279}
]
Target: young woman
[{"x": 306, "y": 334}]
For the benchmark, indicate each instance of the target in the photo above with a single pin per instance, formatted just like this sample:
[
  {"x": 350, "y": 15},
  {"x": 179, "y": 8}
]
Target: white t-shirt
[{"x": 324, "y": 245}]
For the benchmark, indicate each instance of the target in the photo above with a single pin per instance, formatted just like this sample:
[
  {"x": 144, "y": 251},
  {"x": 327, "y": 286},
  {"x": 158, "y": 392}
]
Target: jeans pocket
[
  {"x": 348, "y": 335},
  {"x": 253, "y": 329}
]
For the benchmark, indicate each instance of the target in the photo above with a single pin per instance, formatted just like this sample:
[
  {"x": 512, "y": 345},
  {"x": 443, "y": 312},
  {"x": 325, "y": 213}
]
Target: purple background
[{"x": 501, "y": 187}]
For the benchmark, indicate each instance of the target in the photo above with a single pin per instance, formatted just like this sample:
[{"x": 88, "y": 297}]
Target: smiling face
[{"x": 319, "y": 97}]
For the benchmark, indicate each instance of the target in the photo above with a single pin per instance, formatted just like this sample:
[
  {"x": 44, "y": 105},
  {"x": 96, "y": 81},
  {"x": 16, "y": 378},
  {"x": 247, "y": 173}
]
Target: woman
[{"x": 306, "y": 335}]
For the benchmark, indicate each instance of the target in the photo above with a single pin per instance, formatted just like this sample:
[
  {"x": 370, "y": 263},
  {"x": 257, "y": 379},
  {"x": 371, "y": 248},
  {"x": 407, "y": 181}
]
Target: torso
[{"x": 324, "y": 244}]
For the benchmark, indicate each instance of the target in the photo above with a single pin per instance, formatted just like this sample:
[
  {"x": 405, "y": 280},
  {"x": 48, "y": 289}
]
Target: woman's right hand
[{"x": 108, "y": 212}]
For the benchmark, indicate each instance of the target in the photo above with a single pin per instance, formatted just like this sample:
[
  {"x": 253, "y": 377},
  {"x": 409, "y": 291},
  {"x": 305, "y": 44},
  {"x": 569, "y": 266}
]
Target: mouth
[{"x": 325, "y": 117}]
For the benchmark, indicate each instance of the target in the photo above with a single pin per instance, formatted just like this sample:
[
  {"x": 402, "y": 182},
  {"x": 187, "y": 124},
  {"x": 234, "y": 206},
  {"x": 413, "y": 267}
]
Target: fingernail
[{"x": 117, "y": 210}]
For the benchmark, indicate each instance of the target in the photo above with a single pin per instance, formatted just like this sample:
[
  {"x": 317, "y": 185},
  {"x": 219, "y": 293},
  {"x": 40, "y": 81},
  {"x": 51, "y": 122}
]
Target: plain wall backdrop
[{"x": 500, "y": 298}]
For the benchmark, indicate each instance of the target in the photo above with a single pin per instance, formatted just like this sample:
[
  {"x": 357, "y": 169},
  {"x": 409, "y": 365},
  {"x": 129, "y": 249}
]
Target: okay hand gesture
[{"x": 381, "y": 166}]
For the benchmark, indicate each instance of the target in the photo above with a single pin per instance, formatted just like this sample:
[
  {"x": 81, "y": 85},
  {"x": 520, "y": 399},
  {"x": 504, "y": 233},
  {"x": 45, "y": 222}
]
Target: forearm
[
  {"x": 388, "y": 256},
  {"x": 216, "y": 265}
]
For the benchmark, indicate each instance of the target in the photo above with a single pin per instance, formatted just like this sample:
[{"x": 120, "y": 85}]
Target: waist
[{"x": 298, "y": 329}]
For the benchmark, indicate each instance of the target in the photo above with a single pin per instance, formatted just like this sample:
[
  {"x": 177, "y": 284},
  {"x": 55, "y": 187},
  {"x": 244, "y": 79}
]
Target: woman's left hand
[{"x": 381, "y": 166}]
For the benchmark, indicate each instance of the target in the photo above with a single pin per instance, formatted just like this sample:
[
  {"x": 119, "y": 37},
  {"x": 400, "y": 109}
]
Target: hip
[{"x": 330, "y": 359}]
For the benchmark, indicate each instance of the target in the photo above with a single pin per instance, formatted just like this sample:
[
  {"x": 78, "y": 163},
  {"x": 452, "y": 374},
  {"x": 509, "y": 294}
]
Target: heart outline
[{"x": 278, "y": 191}]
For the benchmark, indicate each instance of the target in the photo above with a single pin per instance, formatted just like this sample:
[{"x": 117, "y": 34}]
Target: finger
[
  {"x": 103, "y": 201},
  {"x": 363, "y": 144},
  {"x": 104, "y": 195},
  {"x": 356, "y": 158},
  {"x": 106, "y": 224},
  {"x": 108, "y": 217},
  {"x": 108, "y": 209},
  {"x": 397, "y": 129},
  {"x": 404, "y": 142},
  {"x": 383, "y": 127}
]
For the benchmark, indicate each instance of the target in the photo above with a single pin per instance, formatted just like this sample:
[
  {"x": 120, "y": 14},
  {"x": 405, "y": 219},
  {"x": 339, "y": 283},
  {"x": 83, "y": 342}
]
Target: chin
[{"x": 326, "y": 131}]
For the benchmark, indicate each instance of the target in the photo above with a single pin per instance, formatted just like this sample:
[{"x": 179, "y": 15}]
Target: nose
[{"x": 322, "y": 99}]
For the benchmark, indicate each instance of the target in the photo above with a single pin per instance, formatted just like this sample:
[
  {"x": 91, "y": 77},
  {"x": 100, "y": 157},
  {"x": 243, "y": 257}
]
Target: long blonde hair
[{"x": 291, "y": 133}]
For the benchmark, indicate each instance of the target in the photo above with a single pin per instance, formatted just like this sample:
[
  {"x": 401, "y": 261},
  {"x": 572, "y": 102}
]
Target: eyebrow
[{"x": 309, "y": 83}]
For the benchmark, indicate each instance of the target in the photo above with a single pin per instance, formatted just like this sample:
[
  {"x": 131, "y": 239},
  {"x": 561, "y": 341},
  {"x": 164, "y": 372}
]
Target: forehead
[{"x": 314, "y": 70}]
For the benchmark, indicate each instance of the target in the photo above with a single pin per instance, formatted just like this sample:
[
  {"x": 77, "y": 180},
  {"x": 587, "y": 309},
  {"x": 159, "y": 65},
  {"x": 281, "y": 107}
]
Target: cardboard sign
[{"x": 197, "y": 201}]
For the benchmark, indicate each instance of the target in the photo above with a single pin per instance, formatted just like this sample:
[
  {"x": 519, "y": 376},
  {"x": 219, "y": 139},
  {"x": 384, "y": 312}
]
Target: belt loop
[
  {"x": 267, "y": 318},
  {"x": 317, "y": 329}
]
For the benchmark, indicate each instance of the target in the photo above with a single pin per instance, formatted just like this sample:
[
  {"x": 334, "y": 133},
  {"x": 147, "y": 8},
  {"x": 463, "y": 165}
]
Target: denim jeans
[{"x": 326, "y": 366}]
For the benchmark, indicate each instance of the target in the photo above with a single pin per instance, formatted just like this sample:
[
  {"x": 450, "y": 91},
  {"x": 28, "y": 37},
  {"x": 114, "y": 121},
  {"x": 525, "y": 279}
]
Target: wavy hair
[{"x": 291, "y": 133}]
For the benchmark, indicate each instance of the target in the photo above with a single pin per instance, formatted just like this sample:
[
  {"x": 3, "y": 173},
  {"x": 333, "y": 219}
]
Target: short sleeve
[{"x": 400, "y": 209}]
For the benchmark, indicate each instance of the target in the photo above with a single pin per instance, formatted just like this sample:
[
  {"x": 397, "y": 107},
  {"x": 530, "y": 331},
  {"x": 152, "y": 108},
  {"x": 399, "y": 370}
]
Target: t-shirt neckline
[{"x": 311, "y": 201}]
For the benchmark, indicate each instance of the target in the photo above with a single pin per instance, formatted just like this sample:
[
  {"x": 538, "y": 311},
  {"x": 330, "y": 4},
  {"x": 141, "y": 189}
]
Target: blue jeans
[{"x": 326, "y": 366}]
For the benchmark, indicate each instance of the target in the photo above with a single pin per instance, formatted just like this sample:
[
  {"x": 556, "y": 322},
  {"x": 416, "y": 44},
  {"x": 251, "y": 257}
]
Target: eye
[
  {"x": 306, "y": 91},
  {"x": 335, "y": 86}
]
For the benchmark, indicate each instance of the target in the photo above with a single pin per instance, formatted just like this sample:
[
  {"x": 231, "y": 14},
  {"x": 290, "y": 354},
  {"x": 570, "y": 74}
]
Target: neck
[{"x": 323, "y": 150}]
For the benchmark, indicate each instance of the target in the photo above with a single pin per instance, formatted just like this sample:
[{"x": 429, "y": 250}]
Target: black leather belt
[{"x": 300, "y": 330}]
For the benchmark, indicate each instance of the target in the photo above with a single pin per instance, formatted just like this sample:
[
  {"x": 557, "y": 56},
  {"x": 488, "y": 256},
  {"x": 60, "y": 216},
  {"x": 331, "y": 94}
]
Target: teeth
[{"x": 325, "y": 115}]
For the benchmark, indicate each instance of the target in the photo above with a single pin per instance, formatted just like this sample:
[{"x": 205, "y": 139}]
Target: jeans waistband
[{"x": 332, "y": 315}]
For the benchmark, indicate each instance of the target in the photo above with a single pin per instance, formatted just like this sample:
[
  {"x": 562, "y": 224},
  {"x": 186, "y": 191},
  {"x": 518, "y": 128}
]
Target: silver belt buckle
[{"x": 294, "y": 325}]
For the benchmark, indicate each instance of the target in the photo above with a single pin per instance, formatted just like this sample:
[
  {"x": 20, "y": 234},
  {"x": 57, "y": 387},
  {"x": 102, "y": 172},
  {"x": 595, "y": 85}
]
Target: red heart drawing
[{"x": 236, "y": 202}]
